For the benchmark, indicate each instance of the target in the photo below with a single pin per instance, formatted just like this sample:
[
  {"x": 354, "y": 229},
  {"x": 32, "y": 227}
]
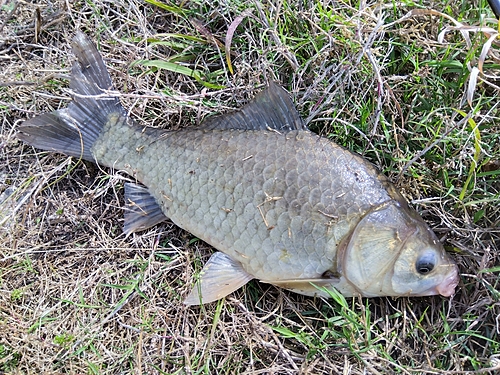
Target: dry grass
[{"x": 76, "y": 296}]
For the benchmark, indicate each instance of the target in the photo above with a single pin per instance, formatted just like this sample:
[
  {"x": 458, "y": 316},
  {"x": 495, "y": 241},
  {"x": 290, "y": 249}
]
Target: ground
[{"x": 417, "y": 95}]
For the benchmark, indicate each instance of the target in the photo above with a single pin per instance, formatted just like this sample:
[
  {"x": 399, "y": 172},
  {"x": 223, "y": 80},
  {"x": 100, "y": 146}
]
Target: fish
[{"x": 278, "y": 202}]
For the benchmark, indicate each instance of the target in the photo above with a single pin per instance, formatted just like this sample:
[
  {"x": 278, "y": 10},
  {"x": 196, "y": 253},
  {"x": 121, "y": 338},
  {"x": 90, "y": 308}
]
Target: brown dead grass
[{"x": 76, "y": 296}]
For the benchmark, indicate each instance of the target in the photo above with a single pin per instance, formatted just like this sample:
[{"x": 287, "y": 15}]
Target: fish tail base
[{"x": 74, "y": 130}]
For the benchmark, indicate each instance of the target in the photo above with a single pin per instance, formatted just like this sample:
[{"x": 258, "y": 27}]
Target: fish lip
[{"x": 447, "y": 287}]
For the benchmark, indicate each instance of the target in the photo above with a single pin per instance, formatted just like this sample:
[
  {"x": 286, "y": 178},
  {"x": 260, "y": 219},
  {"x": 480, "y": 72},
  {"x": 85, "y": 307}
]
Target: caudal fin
[{"x": 73, "y": 130}]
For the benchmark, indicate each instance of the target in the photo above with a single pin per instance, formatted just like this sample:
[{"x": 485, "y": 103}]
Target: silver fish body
[
  {"x": 266, "y": 199},
  {"x": 281, "y": 203}
]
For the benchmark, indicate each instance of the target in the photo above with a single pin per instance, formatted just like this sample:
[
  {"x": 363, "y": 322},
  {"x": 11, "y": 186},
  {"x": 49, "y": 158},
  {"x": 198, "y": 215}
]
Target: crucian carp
[{"x": 278, "y": 202}]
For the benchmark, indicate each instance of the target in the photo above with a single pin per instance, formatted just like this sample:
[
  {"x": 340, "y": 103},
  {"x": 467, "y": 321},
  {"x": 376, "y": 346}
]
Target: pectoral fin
[
  {"x": 221, "y": 276},
  {"x": 142, "y": 211},
  {"x": 304, "y": 286}
]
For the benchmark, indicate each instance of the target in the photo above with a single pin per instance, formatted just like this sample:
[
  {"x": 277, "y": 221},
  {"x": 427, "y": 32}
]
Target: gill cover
[{"x": 392, "y": 252}]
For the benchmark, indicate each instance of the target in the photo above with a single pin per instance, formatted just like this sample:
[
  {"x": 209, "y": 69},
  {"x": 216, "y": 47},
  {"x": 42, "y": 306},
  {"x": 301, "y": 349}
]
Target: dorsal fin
[{"x": 271, "y": 109}]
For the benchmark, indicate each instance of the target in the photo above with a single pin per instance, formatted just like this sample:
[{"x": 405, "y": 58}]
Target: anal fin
[
  {"x": 219, "y": 277},
  {"x": 142, "y": 211}
]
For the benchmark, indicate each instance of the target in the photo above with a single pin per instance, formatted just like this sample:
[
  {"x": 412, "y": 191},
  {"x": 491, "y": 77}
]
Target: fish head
[{"x": 392, "y": 252}]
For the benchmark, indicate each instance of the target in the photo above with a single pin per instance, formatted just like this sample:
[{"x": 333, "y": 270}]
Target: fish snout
[{"x": 447, "y": 287}]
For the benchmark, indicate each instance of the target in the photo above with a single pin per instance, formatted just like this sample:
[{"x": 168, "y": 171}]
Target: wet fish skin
[
  {"x": 252, "y": 190},
  {"x": 284, "y": 205}
]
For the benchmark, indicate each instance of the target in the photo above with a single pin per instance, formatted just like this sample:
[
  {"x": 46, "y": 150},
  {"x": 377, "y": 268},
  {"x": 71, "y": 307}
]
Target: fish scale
[
  {"x": 255, "y": 195},
  {"x": 280, "y": 203}
]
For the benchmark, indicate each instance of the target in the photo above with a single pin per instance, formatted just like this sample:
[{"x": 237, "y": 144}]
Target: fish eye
[{"x": 425, "y": 263}]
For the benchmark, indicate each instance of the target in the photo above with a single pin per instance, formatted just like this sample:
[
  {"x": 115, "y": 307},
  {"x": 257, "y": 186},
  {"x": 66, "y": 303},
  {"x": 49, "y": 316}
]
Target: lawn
[{"x": 411, "y": 86}]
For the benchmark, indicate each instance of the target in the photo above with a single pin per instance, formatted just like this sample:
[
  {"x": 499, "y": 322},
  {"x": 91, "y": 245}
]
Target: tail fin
[{"x": 73, "y": 130}]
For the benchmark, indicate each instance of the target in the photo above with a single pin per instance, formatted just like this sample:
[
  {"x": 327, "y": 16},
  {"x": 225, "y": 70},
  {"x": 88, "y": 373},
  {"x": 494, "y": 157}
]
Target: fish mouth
[{"x": 447, "y": 287}]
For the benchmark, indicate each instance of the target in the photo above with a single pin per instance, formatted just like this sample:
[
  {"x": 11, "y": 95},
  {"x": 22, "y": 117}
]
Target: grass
[{"x": 76, "y": 296}]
